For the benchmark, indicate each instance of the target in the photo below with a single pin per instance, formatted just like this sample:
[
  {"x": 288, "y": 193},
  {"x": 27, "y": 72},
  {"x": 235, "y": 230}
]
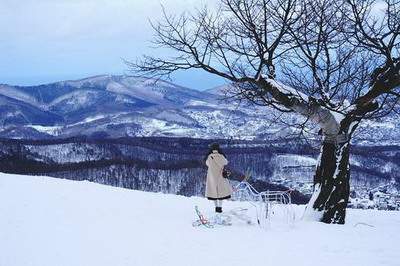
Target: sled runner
[
  {"x": 219, "y": 219},
  {"x": 201, "y": 219}
]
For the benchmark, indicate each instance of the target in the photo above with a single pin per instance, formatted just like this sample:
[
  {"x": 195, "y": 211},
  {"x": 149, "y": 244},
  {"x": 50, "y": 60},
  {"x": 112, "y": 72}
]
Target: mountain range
[{"x": 128, "y": 106}]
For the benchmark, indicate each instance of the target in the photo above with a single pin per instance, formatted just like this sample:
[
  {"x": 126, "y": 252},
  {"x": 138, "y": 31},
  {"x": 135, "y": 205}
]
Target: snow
[
  {"x": 287, "y": 89},
  {"x": 67, "y": 153},
  {"x": 74, "y": 100},
  {"x": 288, "y": 160},
  {"x": 52, "y": 130},
  {"x": 384, "y": 125},
  {"x": 137, "y": 88},
  {"x": 310, "y": 214},
  {"x": 18, "y": 95},
  {"x": 89, "y": 80},
  {"x": 49, "y": 221},
  {"x": 201, "y": 103},
  {"x": 93, "y": 118},
  {"x": 173, "y": 116},
  {"x": 338, "y": 116}
]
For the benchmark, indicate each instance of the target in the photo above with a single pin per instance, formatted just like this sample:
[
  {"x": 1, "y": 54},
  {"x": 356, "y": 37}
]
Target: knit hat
[{"x": 214, "y": 146}]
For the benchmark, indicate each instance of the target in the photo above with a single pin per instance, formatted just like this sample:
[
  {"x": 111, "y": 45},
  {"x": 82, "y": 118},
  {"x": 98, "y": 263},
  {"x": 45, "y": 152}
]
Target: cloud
[
  {"x": 58, "y": 38},
  {"x": 62, "y": 19}
]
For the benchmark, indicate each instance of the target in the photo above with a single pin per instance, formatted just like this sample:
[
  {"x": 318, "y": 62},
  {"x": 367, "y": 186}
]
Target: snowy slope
[{"x": 47, "y": 221}]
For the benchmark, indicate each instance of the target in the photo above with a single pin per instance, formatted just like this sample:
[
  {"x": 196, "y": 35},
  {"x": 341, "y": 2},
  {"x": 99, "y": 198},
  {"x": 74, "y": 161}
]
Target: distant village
[{"x": 385, "y": 197}]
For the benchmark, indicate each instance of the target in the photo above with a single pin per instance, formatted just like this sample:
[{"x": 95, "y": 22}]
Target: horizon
[{"x": 109, "y": 75}]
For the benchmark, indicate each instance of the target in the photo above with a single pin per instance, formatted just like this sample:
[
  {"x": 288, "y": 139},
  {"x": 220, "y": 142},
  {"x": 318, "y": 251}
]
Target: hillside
[
  {"x": 47, "y": 222},
  {"x": 128, "y": 106}
]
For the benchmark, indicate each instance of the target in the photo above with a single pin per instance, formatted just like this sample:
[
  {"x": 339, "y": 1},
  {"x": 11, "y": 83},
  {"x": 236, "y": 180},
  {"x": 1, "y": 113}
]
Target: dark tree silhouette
[{"x": 334, "y": 62}]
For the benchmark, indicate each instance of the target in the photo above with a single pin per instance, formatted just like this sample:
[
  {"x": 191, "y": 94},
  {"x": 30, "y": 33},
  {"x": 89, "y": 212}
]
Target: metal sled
[{"x": 266, "y": 203}]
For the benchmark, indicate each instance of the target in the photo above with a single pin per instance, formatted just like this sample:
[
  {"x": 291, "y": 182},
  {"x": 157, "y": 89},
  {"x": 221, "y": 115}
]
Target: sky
[{"x": 43, "y": 41}]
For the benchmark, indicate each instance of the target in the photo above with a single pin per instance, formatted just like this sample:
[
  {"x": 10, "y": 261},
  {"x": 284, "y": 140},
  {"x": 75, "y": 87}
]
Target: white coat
[{"x": 217, "y": 187}]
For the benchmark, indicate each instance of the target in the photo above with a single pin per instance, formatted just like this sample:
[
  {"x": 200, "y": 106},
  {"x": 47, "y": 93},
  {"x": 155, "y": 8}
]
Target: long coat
[{"x": 217, "y": 187}]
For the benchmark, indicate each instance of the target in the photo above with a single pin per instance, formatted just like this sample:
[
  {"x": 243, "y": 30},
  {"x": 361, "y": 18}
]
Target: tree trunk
[
  {"x": 331, "y": 183},
  {"x": 332, "y": 177}
]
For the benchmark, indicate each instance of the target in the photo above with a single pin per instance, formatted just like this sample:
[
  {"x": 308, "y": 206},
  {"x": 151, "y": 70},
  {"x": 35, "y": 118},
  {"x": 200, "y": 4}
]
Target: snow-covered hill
[
  {"x": 120, "y": 106},
  {"x": 47, "y": 222}
]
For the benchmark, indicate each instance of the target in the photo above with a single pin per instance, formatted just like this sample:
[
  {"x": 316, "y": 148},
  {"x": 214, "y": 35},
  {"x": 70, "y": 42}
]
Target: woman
[{"x": 217, "y": 187}]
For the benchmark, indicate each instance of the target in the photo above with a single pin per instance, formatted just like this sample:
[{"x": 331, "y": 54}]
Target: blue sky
[{"x": 42, "y": 41}]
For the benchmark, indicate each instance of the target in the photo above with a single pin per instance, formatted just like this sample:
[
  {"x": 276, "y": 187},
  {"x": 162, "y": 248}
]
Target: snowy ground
[{"x": 46, "y": 221}]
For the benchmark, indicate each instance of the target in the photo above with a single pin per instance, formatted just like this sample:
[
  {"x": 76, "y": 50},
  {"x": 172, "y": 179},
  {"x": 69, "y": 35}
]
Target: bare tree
[{"x": 335, "y": 62}]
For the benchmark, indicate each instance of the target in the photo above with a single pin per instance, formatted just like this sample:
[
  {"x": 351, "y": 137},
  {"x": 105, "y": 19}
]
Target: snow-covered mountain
[
  {"x": 119, "y": 106},
  {"x": 46, "y": 222}
]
